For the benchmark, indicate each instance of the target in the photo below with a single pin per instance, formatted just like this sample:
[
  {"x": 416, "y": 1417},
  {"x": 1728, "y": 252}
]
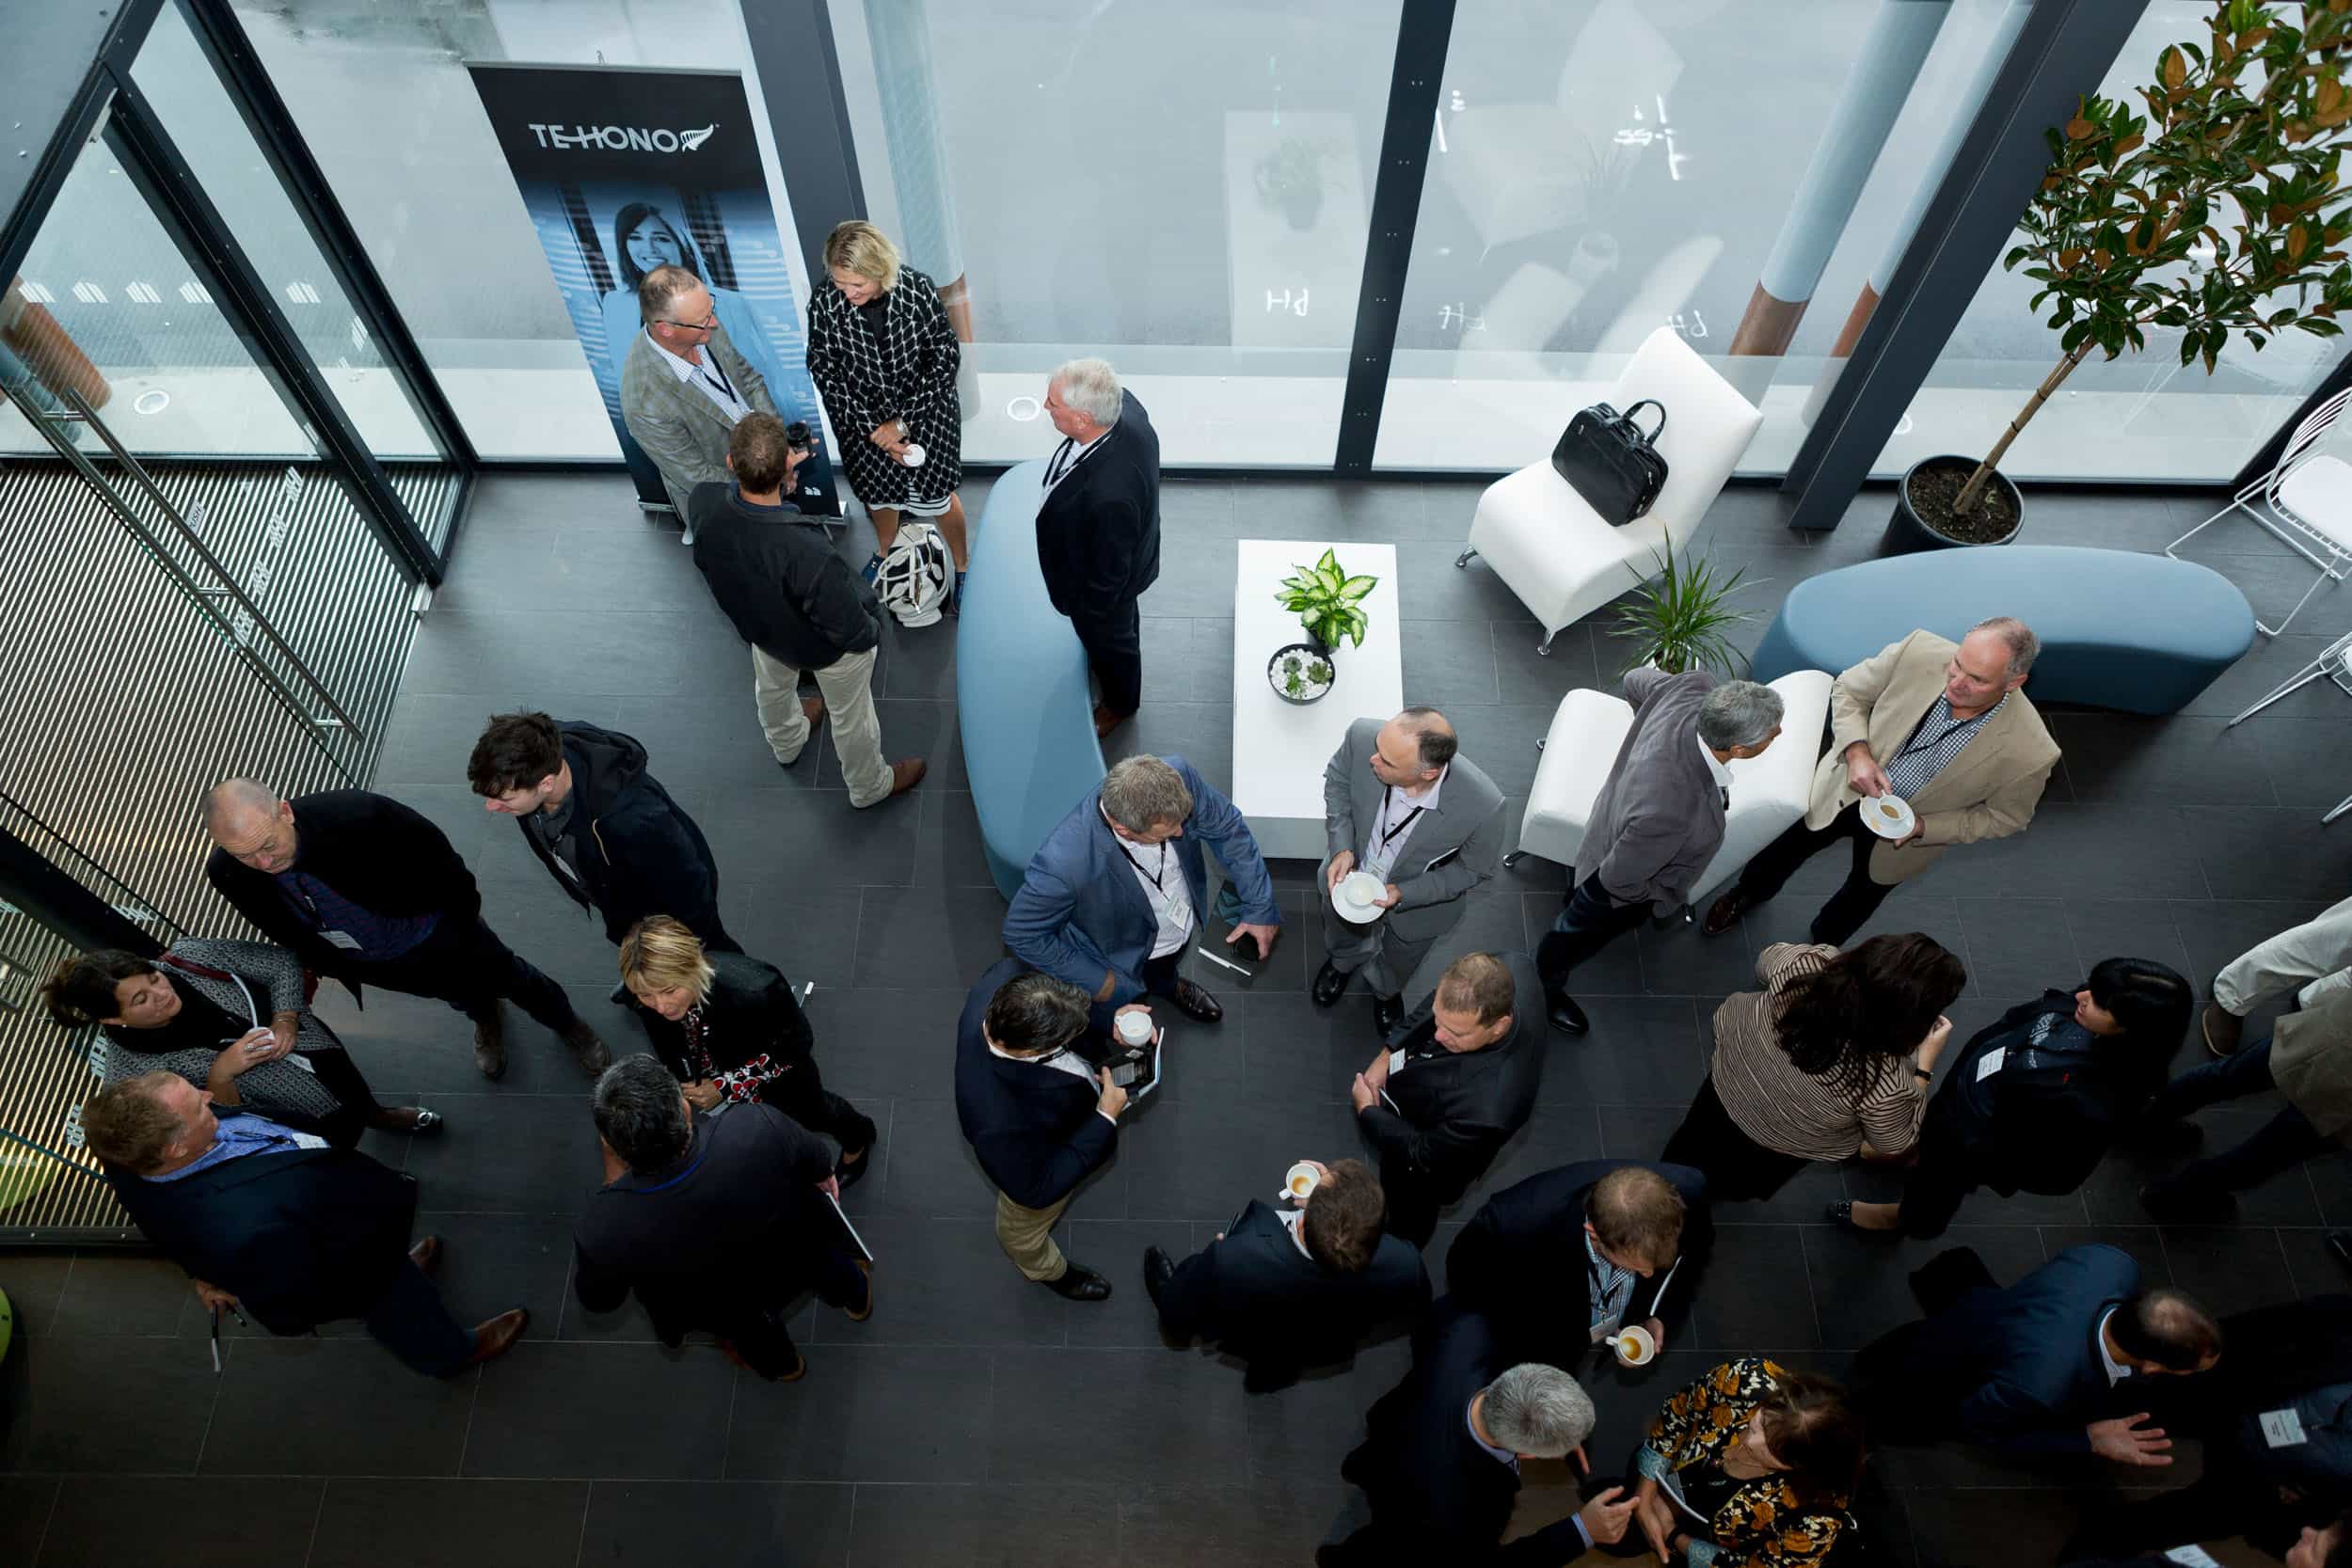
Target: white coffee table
[{"x": 1280, "y": 748}]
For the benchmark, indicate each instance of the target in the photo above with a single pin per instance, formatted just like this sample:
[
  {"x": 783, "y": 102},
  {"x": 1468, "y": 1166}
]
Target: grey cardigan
[
  {"x": 1658, "y": 817},
  {"x": 272, "y": 983}
]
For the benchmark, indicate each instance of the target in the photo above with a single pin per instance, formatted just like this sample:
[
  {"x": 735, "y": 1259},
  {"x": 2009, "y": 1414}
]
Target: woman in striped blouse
[{"x": 1831, "y": 1059}]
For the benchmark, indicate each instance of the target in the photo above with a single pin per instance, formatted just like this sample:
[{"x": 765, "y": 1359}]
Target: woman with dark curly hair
[
  {"x": 1831, "y": 1059},
  {"x": 228, "y": 1017},
  {"x": 2034, "y": 1100}
]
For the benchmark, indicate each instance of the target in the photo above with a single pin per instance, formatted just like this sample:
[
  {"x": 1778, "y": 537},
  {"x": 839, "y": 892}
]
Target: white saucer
[
  {"x": 1363, "y": 885},
  {"x": 1898, "y": 825}
]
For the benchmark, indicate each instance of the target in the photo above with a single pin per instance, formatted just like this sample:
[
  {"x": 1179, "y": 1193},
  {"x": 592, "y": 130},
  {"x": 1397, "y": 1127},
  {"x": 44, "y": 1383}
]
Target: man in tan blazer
[
  {"x": 1938, "y": 724},
  {"x": 683, "y": 386}
]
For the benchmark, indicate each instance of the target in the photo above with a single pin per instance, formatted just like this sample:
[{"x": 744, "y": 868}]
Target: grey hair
[
  {"x": 1091, "y": 387},
  {"x": 1739, "y": 713},
  {"x": 642, "y": 1113},
  {"x": 658, "y": 290},
  {"x": 2023, "y": 644},
  {"x": 1141, "y": 792},
  {"x": 1536, "y": 1410},
  {"x": 231, "y": 796}
]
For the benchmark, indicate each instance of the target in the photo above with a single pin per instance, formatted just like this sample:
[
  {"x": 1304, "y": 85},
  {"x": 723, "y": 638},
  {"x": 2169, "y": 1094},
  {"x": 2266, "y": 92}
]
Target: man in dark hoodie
[{"x": 605, "y": 829}]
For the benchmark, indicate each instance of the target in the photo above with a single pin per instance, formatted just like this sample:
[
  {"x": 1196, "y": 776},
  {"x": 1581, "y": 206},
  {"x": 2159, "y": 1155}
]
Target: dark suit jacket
[
  {"x": 1098, "y": 531},
  {"x": 726, "y": 1231},
  {"x": 2016, "y": 1367},
  {"x": 750, "y": 1012},
  {"x": 1456, "y": 1112},
  {"x": 1521, "y": 1260},
  {"x": 1438, "y": 1498},
  {"x": 369, "y": 849},
  {"x": 1080, "y": 910},
  {"x": 2042, "y": 1127},
  {"x": 1658, "y": 817},
  {"x": 1266, "y": 1301},
  {"x": 635, "y": 850},
  {"x": 1033, "y": 1126},
  {"x": 300, "y": 1238}
]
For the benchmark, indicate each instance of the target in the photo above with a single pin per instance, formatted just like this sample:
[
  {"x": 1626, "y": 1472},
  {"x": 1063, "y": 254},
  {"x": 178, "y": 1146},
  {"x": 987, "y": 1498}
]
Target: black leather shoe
[
  {"x": 1197, "y": 1004},
  {"x": 1078, "y": 1283},
  {"x": 1724, "y": 913},
  {"x": 1330, "y": 985},
  {"x": 851, "y": 1172},
  {"x": 1386, "y": 1011},
  {"x": 1566, "y": 1014},
  {"x": 1157, "y": 1270}
]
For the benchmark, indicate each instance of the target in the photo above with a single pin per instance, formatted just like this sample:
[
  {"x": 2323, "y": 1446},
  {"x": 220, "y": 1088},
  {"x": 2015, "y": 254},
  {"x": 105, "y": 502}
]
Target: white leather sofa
[
  {"x": 1768, "y": 792},
  {"x": 1554, "y": 551}
]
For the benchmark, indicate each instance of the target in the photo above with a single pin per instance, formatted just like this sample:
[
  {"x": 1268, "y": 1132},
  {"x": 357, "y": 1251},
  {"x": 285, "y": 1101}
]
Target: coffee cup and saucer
[
  {"x": 1300, "y": 1181},
  {"x": 1890, "y": 815},
  {"x": 1633, "y": 1345},
  {"x": 1358, "y": 898}
]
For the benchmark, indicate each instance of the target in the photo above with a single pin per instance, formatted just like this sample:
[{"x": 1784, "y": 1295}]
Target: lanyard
[
  {"x": 1388, "y": 810},
  {"x": 1066, "y": 457},
  {"x": 1159, "y": 877},
  {"x": 1916, "y": 744},
  {"x": 719, "y": 382}
]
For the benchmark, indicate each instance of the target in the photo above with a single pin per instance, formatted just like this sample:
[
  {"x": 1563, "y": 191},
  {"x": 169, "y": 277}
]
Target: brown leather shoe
[
  {"x": 867, "y": 1310},
  {"x": 497, "y": 1336},
  {"x": 905, "y": 774},
  {"x": 587, "y": 1047},
  {"x": 813, "y": 709},
  {"x": 2221, "y": 1028},
  {"x": 1724, "y": 913},
  {"x": 489, "y": 1043},
  {"x": 1105, "y": 721},
  {"x": 426, "y": 1254}
]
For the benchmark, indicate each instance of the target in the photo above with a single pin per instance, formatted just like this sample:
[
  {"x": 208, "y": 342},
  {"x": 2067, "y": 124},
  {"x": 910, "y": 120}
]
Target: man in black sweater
[
  {"x": 717, "y": 1222},
  {"x": 798, "y": 603},
  {"x": 605, "y": 829},
  {"x": 1286, "y": 1289},
  {"x": 367, "y": 891},
  {"x": 276, "y": 1222},
  {"x": 1039, "y": 1121}
]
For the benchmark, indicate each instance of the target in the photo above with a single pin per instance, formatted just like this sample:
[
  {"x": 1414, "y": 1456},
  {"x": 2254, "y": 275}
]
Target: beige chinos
[
  {"x": 2312, "y": 955},
  {"x": 1028, "y": 1237},
  {"x": 848, "y": 686}
]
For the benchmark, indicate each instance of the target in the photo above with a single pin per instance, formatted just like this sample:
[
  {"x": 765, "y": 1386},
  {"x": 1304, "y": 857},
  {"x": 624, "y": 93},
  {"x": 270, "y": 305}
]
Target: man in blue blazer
[
  {"x": 1285, "y": 1290},
  {"x": 1038, "y": 1119},
  {"x": 2047, "y": 1366},
  {"x": 1117, "y": 888}
]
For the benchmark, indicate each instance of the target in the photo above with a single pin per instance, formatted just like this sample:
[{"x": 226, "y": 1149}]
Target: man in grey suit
[
  {"x": 1399, "y": 803},
  {"x": 1658, "y": 817},
  {"x": 683, "y": 386}
]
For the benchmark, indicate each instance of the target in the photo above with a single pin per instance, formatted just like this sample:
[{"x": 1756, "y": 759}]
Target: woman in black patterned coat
[
  {"x": 228, "y": 1017},
  {"x": 883, "y": 355}
]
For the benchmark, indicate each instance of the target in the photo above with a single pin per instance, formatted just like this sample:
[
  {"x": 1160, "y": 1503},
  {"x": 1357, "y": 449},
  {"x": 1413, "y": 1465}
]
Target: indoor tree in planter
[
  {"x": 1676, "y": 620},
  {"x": 2237, "y": 154}
]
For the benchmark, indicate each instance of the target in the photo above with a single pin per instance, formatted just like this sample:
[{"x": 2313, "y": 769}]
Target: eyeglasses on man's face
[{"x": 708, "y": 323}]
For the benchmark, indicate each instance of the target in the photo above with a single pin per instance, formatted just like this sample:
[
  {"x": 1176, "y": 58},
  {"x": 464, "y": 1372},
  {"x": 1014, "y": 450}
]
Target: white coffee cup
[
  {"x": 1633, "y": 1345},
  {"x": 912, "y": 455},
  {"x": 1134, "y": 1028},
  {"x": 1300, "y": 1181}
]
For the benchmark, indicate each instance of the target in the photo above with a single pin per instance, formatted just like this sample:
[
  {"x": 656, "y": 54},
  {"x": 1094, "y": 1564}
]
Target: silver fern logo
[{"x": 622, "y": 138}]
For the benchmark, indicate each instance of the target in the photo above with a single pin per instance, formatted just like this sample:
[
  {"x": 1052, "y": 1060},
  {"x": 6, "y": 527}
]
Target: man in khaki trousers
[
  {"x": 2311, "y": 959},
  {"x": 798, "y": 605}
]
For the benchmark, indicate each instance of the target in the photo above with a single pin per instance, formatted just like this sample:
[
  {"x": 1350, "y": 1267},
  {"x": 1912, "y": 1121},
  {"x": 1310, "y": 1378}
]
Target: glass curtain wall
[
  {"x": 1184, "y": 190},
  {"x": 2140, "y": 417}
]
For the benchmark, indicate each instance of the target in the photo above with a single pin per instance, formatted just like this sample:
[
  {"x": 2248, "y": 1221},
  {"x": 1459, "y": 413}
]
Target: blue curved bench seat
[
  {"x": 1021, "y": 700},
  {"x": 2118, "y": 629}
]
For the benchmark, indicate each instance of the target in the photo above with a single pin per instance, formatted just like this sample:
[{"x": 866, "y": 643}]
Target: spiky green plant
[
  {"x": 1328, "y": 601},
  {"x": 1676, "y": 620}
]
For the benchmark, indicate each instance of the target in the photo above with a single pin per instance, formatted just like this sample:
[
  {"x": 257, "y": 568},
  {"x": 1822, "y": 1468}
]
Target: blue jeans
[{"x": 2285, "y": 1141}]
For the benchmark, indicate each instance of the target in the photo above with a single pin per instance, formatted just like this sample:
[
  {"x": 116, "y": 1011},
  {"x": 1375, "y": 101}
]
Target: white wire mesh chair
[{"x": 2306, "y": 500}]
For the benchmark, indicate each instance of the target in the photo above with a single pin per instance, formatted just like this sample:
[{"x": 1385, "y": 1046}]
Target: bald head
[
  {"x": 251, "y": 824},
  {"x": 1412, "y": 749}
]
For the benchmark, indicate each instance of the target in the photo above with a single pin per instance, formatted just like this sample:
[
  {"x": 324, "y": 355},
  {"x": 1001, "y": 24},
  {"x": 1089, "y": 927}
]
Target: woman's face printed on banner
[{"x": 654, "y": 244}]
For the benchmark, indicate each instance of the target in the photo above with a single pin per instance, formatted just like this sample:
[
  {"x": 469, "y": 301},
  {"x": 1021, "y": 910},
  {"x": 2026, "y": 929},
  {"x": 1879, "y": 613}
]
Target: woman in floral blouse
[
  {"x": 1751, "y": 1467},
  {"x": 728, "y": 1025}
]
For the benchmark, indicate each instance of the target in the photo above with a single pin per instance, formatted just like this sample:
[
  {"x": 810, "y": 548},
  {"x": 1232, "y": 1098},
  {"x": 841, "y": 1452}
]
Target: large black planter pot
[
  {"x": 1907, "y": 532},
  {"x": 1308, "y": 653}
]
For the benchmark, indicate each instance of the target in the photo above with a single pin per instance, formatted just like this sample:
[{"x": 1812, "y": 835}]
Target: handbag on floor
[{"x": 1607, "y": 459}]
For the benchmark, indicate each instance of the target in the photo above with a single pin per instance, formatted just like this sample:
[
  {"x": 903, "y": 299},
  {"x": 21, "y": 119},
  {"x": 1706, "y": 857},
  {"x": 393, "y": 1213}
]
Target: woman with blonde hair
[
  {"x": 730, "y": 1028},
  {"x": 882, "y": 351}
]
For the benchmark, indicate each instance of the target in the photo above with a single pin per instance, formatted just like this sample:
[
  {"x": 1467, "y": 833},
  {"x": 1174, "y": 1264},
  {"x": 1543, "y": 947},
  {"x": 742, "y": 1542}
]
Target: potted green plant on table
[
  {"x": 2237, "y": 155},
  {"x": 1677, "y": 619},
  {"x": 1329, "y": 606}
]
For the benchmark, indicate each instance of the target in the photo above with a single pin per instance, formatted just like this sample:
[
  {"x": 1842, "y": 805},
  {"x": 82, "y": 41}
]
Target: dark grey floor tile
[
  {"x": 810, "y": 838},
  {"x": 924, "y": 933},
  {"x": 2229, "y": 1268},
  {"x": 1429, "y": 587},
  {"x": 943, "y": 1282},
  {"x": 25, "y": 1502},
  {"x": 2331, "y": 1176},
  {"x": 1754, "y": 1296},
  {"x": 811, "y": 933},
  {"x": 2309, "y": 764},
  {"x": 530, "y": 1154},
  {"x": 119, "y": 1294},
  {"x": 1201, "y": 733},
  {"x": 1196, "y": 582},
  {"x": 1950, "y": 1528},
  {"x": 1113, "y": 1249},
  {"x": 929, "y": 1171},
  {"x": 1581, "y": 656},
  {"x": 1501, "y": 738},
  {"x": 84, "y": 1403},
  {"x": 490, "y": 1263},
  {"x": 2104, "y": 845},
  {"x": 1301, "y": 1432},
  {"x": 325, "y": 1407},
  {"x": 1188, "y": 659},
  {"x": 1267, "y": 1524},
  {"x": 1553, "y": 1136},
  {"x": 711, "y": 739},
  {"x": 548, "y": 1410},
  {"x": 871, "y": 1412},
  {"x": 461, "y": 652},
  {"x": 2128, "y": 928},
  {"x": 1443, "y": 669},
  {"x": 2313, "y": 1264},
  {"x": 949, "y": 851},
  {"x": 2287, "y": 1198},
  {"x": 34, "y": 1283},
  {"x": 1682, "y": 961},
  {"x": 918, "y": 661},
  {"x": 910, "y": 728},
  {"x": 450, "y": 1524},
  {"x": 1643, "y": 1051},
  {"x": 1170, "y": 1415},
  {"x": 1862, "y": 1284},
  {"x": 425, "y": 1047},
  {"x": 2251, "y": 853},
  {"x": 1292, "y": 1049},
  {"x": 885, "y": 1043},
  {"x": 106, "y": 1522},
  {"x": 2019, "y": 947},
  {"x": 1201, "y": 508},
  {"x": 2143, "y": 1241},
  {"x": 2179, "y": 761},
  {"x": 1192, "y": 1160},
  {"x": 2270, "y": 663},
  {"x": 500, "y": 566},
  {"x": 2215, "y": 930},
  {"x": 1054, "y": 1525},
  {"x": 1640, "y": 1131},
  {"x": 653, "y": 1524}
]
